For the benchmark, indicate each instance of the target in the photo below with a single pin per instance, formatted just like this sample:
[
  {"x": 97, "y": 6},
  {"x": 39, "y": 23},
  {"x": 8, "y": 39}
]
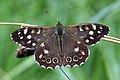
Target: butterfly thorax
[
  {"x": 59, "y": 29},
  {"x": 59, "y": 32}
]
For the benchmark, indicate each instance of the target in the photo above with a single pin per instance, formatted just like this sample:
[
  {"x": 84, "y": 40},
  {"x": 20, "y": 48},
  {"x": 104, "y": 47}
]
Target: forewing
[
  {"x": 48, "y": 52},
  {"x": 30, "y": 36},
  {"x": 75, "y": 53},
  {"x": 89, "y": 33}
]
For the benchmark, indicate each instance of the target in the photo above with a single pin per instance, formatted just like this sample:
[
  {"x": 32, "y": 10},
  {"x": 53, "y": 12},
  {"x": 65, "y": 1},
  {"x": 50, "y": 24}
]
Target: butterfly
[{"x": 54, "y": 46}]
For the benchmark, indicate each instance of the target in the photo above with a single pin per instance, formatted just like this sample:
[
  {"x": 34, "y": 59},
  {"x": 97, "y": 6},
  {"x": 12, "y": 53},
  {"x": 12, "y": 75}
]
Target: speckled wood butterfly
[{"x": 60, "y": 45}]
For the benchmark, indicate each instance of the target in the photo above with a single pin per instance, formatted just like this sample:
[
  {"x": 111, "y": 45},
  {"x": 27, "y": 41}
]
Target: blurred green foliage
[{"x": 104, "y": 62}]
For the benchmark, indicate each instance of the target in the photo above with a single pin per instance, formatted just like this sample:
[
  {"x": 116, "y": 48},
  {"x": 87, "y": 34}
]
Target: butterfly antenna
[
  {"x": 51, "y": 16},
  {"x": 64, "y": 73},
  {"x": 65, "y": 14}
]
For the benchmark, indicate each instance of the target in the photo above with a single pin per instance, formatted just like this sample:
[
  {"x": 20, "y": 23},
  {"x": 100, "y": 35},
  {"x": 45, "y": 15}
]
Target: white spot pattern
[
  {"x": 21, "y": 37},
  {"x": 99, "y": 31},
  {"x": 42, "y": 44},
  {"x": 33, "y": 44},
  {"x": 76, "y": 49},
  {"x": 91, "y": 32},
  {"x": 46, "y": 51},
  {"x": 91, "y": 37},
  {"x": 86, "y": 40},
  {"x": 80, "y": 29},
  {"x": 38, "y": 31},
  {"x": 25, "y": 31},
  {"x": 29, "y": 42},
  {"x": 94, "y": 27},
  {"x": 29, "y": 36}
]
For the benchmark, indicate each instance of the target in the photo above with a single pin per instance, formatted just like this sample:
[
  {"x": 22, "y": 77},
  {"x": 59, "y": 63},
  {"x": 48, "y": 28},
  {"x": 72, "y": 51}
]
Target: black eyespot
[
  {"x": 75, "y": 58},
  {"x": 68, "y": 59},
  {"x": 55, "y": 60},
  {"x": 48, "y": 60}
]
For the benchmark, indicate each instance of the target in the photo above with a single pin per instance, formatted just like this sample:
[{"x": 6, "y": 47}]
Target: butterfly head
[{"x": 59, "y": 24}]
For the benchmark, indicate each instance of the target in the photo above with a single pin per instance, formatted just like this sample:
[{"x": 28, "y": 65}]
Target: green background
[{"x": 104, "y": 61}]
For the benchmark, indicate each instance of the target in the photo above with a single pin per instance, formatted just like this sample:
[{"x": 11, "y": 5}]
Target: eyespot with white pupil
[
  {"x": 48, "y": 60},
  {"x": 75, "y": 58},
  {"x": 55, "y": 60},
  {"x": 80, "y": 56},
  {"x": 68, "y": 59}
]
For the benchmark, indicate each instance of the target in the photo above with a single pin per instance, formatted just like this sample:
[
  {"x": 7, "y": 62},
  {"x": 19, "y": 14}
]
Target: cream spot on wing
[
  {"x": 91, "y": 32},
  {"x": 83, "y": 53},
  {"x": 99, "y": 31},
  {"x": 80, "y": 29},
  {"x": 78, "y": 42},
  {"x": 91, "y": 37},
  {"x": 48, "y": 60},
  {"x": 42, "y": 44},
  {"x": 49, "y": 67},
  {"x": 94, "y": 27},
  {"x": 38, "y": 31},
  {"x": 25, "y": 31},
  {"x": 40, "y": 56},
  {"x": 100, "y": 27},
  {"x": 33, "y": 44},
  {"x": 46, "y": 51},
  {"x": 21, "y": 37},
  {"x": 86, "y": 40},
  {"x": 86, "y": 28},
  {"x": 29, "y": 36},
  {"x": 33, "y": 31},
  {"x": 76, "y": 49},
  {"x": 19, "y": 33},
  {"x": 29, "y": 42}
]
